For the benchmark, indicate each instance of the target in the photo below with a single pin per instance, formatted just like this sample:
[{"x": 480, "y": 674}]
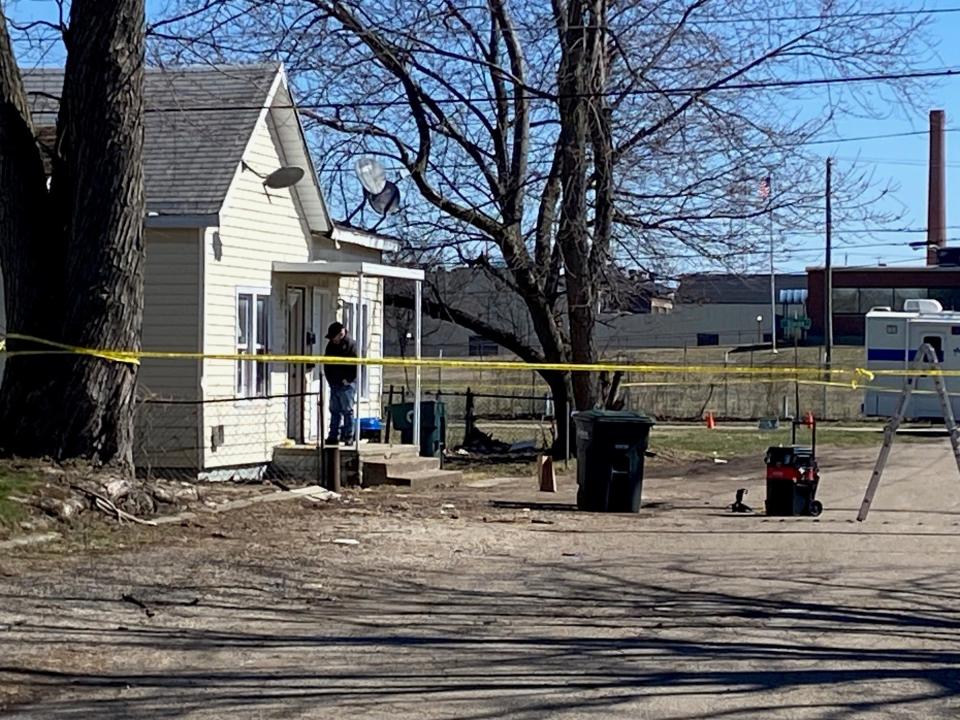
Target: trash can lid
[{"x": 615, "y": 416}]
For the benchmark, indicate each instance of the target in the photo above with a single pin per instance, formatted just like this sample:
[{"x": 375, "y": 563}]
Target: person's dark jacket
[{"x": 336, "y": 374}]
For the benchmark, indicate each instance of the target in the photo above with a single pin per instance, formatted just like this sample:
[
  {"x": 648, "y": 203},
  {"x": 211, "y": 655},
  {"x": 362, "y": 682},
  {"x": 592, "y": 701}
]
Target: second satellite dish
[
  {"x": 386, "y": 201},
  {"x": 383, "y": 195},
  {"x": 371, "y": 174}
]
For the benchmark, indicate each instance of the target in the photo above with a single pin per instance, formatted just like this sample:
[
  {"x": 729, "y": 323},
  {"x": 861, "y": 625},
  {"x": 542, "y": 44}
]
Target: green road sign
[{"x": 793, "y": 324}]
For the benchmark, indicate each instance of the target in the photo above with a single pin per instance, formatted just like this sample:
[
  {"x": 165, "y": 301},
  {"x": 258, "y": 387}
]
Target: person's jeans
[{"x": 341, "y": 412}]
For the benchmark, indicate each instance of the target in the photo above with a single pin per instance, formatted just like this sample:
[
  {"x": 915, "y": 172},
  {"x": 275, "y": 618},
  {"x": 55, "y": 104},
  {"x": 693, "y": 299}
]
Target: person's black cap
[{"x": 334, "y": 330}]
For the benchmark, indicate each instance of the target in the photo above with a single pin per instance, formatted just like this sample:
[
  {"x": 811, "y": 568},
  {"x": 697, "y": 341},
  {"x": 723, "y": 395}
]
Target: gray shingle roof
[{"x": 198, "y": 121}]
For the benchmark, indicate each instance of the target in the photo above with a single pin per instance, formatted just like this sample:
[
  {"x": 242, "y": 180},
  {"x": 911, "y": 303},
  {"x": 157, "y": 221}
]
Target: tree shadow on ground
[{"x": 254, "y": 639}]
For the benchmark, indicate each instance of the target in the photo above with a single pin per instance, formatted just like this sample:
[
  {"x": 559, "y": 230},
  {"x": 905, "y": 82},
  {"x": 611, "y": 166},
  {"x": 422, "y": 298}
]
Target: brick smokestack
[{"x": 936, "y": 188}]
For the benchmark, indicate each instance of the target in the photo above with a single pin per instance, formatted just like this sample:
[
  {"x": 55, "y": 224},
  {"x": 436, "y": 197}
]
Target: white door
[
  {"x": 296, "y": 341},
  {"x": 316, "y": 343}
]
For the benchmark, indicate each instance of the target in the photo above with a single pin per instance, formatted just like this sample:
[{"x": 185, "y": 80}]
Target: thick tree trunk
[
  {"x": 572, "y": 234},
  {"x": 80, "y": 407},
  {"x": 101, "y": 135},
  {"x": 559, "y": 383},
  {"x": 31, "y": 257}
]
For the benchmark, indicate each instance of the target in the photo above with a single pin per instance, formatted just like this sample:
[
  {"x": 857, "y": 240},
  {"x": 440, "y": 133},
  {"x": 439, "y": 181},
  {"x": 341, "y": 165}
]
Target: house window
[
  {"x": 845, "y": 300},
  {"x": 948, "y": 297},
  {"x": 875, "y": 297},
  {"x": 902, "y": 294},
  {"x": 481, "y": 347},
  {"x": 361, "y": 336},
  {"x": 253, "y": 324}
]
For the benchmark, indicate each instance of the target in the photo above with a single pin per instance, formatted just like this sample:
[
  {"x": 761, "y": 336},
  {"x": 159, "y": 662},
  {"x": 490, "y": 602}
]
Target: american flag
[{"x": 765, "y": 188}]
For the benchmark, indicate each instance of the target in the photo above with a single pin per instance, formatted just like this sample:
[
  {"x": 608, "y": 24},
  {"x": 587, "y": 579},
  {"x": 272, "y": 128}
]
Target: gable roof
[{"x": 198, "y": 122}]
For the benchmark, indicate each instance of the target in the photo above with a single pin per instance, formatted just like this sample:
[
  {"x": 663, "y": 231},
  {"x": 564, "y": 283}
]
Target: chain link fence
[
  {"x": 274, "y": 438},
  {"x": 235, "y": 439}
]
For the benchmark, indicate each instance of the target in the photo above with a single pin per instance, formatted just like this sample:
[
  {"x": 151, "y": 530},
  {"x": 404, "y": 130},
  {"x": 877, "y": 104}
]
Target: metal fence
[
  {"x": 486, "y": 412},
  {"x": 240, "y": 439}
]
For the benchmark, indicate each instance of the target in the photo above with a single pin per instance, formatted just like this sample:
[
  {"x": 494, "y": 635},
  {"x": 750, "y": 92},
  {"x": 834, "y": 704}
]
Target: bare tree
[
  {"x": 550, "y": 142},
  {"x": 71, "y": 248}
]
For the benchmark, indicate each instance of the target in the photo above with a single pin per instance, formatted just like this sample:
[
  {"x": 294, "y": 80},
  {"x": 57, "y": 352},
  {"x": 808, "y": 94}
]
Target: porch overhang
[
  {"x": 350, "y": 269},
  {"x": 361, "y": 270}
]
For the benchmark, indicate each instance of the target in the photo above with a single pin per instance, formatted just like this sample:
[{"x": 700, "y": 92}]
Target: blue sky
[{"x": 902, "y": 160}]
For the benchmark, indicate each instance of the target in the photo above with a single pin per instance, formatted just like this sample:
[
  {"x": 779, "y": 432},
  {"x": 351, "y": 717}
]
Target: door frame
[
  {"x": 296, "y": 297},
  {"x": 320, "y": 308}
]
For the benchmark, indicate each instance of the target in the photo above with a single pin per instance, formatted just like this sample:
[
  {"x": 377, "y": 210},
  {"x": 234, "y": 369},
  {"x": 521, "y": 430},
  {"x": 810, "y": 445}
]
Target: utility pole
[{"x": 828, "y": 275}]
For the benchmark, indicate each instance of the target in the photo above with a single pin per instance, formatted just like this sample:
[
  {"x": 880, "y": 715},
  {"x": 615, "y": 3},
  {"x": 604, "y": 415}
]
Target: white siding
[
  {"x": 168, "y": 390},
  {"x": 324, "y": 248},
  {"x": 257, "y": 228}
]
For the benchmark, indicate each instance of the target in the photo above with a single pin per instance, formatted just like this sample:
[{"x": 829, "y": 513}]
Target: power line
[
  {"x": 826, "y": 16},
  {"x": 882, "y": 136},
  {"x": 891, "y": 161},
  {"x": 771, "y": 146},
  {"x": 680, "y": 90}
]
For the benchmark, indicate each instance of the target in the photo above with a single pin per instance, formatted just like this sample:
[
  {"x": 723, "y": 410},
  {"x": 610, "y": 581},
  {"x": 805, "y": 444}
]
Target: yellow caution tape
[
  {"x": 123, "y": 356},
  {"x": 134, "y": 356},
  {"x": 857, "y": 376}
]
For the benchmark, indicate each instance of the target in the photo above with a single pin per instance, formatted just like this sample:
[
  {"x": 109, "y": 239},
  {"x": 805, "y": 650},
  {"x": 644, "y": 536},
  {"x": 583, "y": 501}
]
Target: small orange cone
[
  {"x": 808, "y": 419},
  {"x": 711, "y": 423}
]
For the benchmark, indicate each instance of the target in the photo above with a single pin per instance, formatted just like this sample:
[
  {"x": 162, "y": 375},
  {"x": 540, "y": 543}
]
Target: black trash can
[
  {"x": 433, "y": 426},
  {"x": 610, "y": 452}
]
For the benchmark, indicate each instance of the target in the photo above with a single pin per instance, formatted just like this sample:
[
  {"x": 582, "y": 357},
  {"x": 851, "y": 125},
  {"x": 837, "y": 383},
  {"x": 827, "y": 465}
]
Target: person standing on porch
[{"x": 341, "y": 378}]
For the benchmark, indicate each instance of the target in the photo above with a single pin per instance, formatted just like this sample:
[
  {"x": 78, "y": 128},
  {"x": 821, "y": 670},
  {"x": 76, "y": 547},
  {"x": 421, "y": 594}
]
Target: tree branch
[{"x": 439, "y": 310}]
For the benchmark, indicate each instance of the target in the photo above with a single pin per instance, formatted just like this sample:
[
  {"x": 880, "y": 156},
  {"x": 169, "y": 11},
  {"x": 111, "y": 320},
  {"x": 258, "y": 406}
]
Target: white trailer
[{"x": 892, "y": 339}]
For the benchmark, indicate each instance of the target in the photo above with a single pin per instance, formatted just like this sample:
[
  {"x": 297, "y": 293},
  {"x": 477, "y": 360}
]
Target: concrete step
[
  {"x": 387, "y": 453},
  {"x": 426, "y": 479},
  {"x": 379, "y": 470}
]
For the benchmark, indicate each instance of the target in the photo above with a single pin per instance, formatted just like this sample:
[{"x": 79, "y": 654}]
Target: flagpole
[
  {"x": 766, "y": 191},
  {"x": 773, "y": 293}
]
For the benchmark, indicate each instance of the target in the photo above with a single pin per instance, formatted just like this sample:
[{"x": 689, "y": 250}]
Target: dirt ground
[{"x": 495, "y": 601}]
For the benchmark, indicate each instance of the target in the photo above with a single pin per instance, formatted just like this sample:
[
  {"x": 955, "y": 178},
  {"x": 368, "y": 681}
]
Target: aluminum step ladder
[{"x": 926, "y": 359}]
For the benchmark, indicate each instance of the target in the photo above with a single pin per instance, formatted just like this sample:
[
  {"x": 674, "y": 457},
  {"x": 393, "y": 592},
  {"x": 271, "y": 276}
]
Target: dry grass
[
  {"x": 13, "y": 484},
  {"x": 674, "y": 394}
]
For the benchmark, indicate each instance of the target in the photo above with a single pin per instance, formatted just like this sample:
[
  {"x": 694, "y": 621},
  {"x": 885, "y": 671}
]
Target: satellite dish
[
  {"x": 371, "y": 174},
  {"x": 386, "y": 201},
  {"x": 284, "y": 177}
]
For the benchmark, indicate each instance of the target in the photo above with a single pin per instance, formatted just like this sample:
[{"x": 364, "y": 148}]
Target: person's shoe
[
  {"x": 330, "y": 441},
  {"x": 347, "y": 441}
]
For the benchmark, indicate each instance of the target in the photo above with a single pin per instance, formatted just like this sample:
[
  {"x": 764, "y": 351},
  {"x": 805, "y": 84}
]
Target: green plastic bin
[{"x": 433, "y": 425}]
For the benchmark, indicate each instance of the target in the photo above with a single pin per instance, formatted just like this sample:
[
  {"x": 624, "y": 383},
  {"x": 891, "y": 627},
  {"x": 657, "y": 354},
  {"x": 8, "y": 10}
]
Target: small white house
[
  {"x": 892, "y": 340},
  {"x": 234, "y": 266}
]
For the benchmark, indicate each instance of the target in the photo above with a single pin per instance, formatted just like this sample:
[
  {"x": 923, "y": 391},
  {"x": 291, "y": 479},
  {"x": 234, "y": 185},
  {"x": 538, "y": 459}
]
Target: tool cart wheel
[{"x": 816, "y": 507}]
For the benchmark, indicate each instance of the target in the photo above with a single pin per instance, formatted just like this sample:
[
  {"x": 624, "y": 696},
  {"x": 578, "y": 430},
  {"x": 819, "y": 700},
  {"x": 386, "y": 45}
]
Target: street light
[{"x": 759, "y": 329}]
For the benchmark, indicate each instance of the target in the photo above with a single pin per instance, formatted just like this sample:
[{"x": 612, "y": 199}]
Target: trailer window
[{"x": 936, "y": 342}]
